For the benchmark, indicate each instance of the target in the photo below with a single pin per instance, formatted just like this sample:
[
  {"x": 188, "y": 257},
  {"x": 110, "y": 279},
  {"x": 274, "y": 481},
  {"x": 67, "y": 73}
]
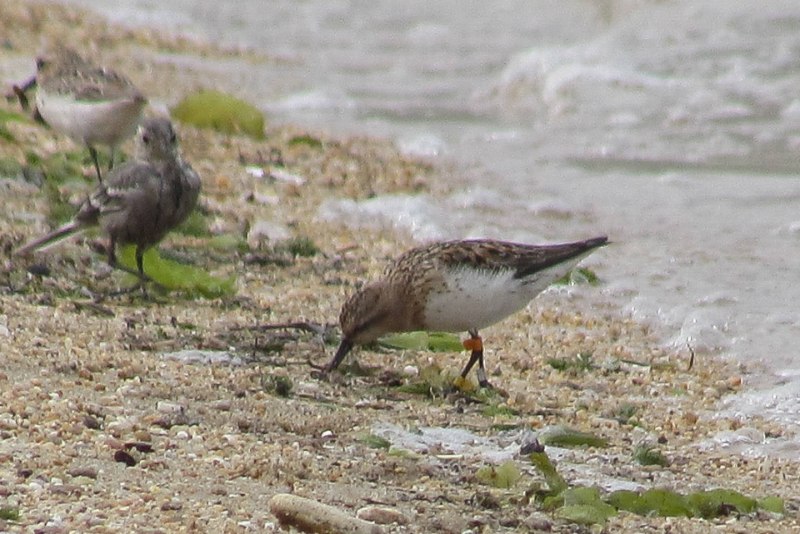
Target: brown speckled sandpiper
[
  {"x": 91, "y": 104},
  {"x": 455, "y": 286}
]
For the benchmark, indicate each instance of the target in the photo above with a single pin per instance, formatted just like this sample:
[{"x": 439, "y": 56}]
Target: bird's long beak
[{"x": 344, "y": 347}]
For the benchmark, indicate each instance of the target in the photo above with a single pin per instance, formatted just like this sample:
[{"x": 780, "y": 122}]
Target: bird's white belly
[
  {"x": 475, "y": 299},
  {"x": 104, "y": 122}
]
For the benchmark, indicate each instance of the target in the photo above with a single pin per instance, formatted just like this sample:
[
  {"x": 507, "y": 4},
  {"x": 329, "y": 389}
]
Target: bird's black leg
[
  {"x": 93, "y": 153},
  {"x": 112, "y": 253},
  {"x": 140, "y": 261},
  {"x": 114, "y": 264},
  {"x": 475, "y": 343},
  {"x": 140, "y": 266},
  {"x": 138, "y": 272},
  {"x": 112, "y": 261},
  {"x": 111, "y": 159}
]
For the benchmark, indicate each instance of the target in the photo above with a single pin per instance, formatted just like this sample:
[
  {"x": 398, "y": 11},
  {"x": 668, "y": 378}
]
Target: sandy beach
[{"x": 86, "y": 387}]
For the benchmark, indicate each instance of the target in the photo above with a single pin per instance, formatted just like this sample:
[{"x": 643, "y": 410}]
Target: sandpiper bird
[
  {"x": 455, "y": 286},
  {"x": 92, "y": 105},
  {"x": 140, "y": 201}
]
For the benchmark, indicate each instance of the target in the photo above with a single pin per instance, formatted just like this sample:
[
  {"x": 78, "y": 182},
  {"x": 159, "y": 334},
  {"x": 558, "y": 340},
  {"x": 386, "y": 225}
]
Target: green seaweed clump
[
  {"x": 502, "y": 476},
  {"x": 649, "y": 455},
  {"x": 626, "y": 414},
  {"x": 59, "y": 167},
  {"x": 585, "y": 505},
  {"x": 432, "y": 382},
  {"x": 555, "y": 482},
  {"x": 221, "y": 112},
  {"x": 9, "y": 167},
  {"x": 720, "y": 502},
  {"x": 499, "y": 410},
  {"x": 8, "y": 513},
  {"x": 375, "y": 442},
  {"x": 433, "y": 341},
  {"x": 706, "y": 504},
  {"x": 59, "y": 210},
  {"x": 173, "y": 276},
  {"x": 280, "y": 385},
  {"x": 303, "y": 247},
  {"x": 6, "y": 117},
  {"x": 305, "y": 140},
  {"x": 578, "y": 276},
  {"x": 657, "y": 501},
  {"x": 227, "y": 243},
  {"x": 581, "y": 362},
  {"x": 195, "y": 225},
  {"x": 562, "y": 436}
]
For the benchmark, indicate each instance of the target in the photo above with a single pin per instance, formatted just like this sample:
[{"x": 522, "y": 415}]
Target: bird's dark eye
[
  {"x": 173, "y": 138},
  {"x": 145, "y": 139}
]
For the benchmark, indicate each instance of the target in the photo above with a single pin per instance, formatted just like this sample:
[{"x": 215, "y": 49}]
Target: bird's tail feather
[{"x": 50, "y": 239}]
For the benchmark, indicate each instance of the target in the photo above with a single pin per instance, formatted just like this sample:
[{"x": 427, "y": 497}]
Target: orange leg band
[{"x": 475, "y": 344}]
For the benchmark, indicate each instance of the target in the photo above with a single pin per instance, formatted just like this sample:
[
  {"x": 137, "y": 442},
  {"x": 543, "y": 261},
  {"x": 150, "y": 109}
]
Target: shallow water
[{"x": 674, "y": 127}]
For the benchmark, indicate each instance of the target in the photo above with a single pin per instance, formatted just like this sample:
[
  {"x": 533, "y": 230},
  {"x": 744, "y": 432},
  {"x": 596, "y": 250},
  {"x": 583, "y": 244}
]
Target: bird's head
[
  {"x": 368, "y": 314},
  {"x": 156, "y": 140}
]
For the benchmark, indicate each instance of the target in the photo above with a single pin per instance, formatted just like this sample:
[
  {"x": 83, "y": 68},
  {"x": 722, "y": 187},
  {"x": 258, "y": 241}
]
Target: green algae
[{"x": 221, "y": 112}]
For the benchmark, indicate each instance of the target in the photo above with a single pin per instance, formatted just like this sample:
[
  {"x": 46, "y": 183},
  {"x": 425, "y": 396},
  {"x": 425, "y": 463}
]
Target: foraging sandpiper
[
  {"x": 92, "y": 105},
  {"x": 140, "y": 201},
  {"x": 455, "y": 286}
]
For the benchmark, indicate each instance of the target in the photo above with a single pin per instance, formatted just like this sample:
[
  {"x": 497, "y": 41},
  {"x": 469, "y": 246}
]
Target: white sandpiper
[{"x": 91, "y": 104}]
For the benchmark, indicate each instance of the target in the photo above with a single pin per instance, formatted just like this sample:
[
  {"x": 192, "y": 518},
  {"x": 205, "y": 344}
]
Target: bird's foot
[
  {"x": 140, "y": 286},
  {"x": 485, "y": 383}
]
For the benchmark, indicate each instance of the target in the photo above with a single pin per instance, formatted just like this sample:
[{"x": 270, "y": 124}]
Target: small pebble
[
  {"x": 83, "y": 471},
  {"x": 308, "y": 515},
  {"x": 223, "y": 405},
  {"x": 140, "y": 446},
  {"x": 411, "y": 370},
  {"x": 169, "y": 407},
  {"x": 538, "y": 522},
  {"x": 286, "y": 177},
  {"x": 124, "y": 457},
  {"x": 382, "y": 515},
  {"x": 114, "y": 443},
  {"x": 690, "y": 418},
  {"x": 91, "y": 422},
  {"x": 172, "y": 505},
  {"x": 269, "y": 231}
]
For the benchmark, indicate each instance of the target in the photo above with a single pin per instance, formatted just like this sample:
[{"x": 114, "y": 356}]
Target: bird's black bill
[{"x": 344, "y": 347}]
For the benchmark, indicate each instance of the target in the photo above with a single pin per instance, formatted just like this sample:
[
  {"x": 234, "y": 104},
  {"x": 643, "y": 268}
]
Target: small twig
[
  {"x": 93, "y": 306},
  {"x": 346, "y": 248},
  {"x": 305, "y": 326},
  {"x": 316, "y": 366}
]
